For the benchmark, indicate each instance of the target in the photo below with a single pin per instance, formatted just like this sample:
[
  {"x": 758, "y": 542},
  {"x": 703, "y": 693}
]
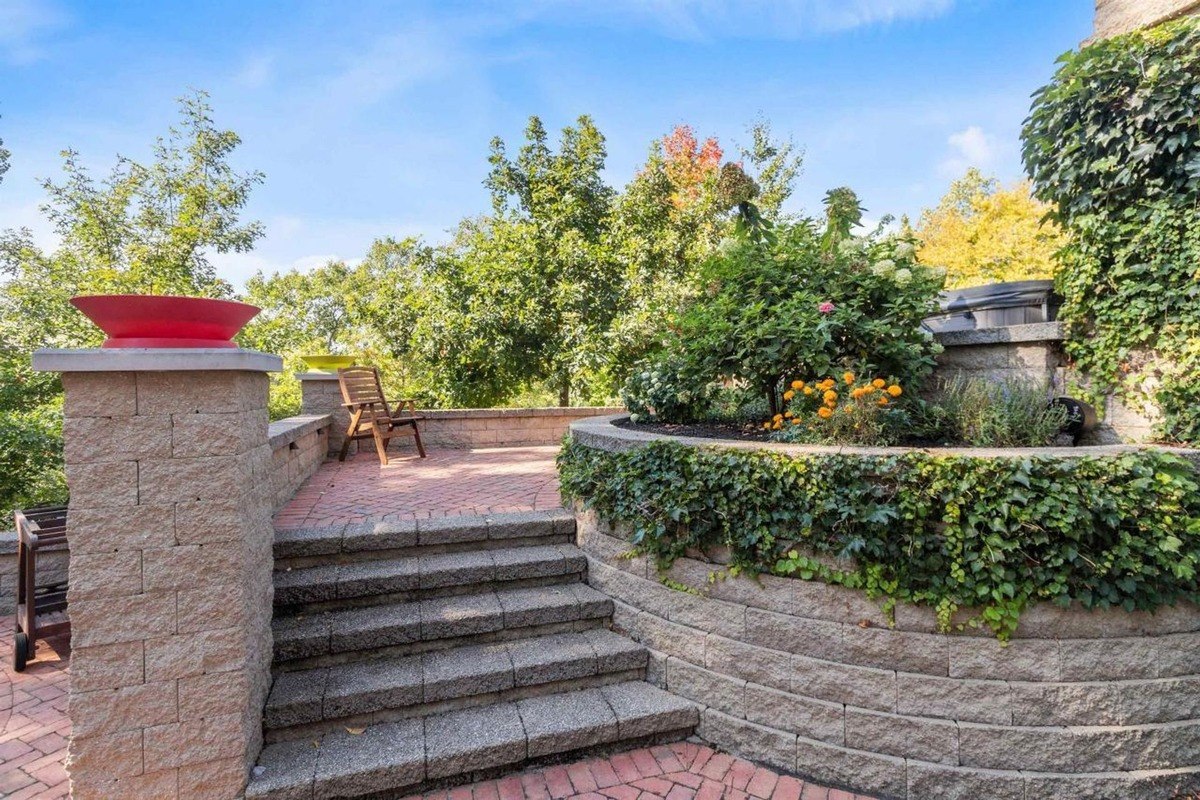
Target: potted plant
[{"x": 140, "y": 320}]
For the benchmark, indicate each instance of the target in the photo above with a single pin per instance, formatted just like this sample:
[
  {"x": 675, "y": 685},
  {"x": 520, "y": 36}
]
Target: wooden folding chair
[{"x": 370, "y": 415}]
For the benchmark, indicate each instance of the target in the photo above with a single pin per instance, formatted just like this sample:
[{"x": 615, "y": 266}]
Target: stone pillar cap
[
  {"x": 316, "y": 376},
  {"x": 165, "y": 359}
]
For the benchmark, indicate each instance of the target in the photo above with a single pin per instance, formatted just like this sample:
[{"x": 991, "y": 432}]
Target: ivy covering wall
[
  {"x": 989, "y": 534},
  {"x": 1113, "y": 143}
]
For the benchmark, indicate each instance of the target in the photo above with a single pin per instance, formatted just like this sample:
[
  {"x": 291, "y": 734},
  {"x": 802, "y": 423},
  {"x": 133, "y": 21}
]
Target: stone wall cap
[
  {"x": 316, "y": 376},
  {"x": 1008, "y": 334},
  {"x": 497, "y": 413},
  {"x": 166, "y": 359},
  {"x": 600, "y": 433},
  {"x": 283, "y": 432}
]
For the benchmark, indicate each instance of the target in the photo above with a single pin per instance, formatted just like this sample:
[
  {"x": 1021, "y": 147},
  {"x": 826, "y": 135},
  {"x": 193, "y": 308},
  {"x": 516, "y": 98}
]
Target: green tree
[
  {"x": 4, "y": 157},
  {"x": 775, "y": 165},
  {"x": 142, "y": 228},
  {"x": 982, "y": 232}
]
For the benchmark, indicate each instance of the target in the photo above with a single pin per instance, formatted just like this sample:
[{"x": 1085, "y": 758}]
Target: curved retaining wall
[{"x": 810, "y": 678}]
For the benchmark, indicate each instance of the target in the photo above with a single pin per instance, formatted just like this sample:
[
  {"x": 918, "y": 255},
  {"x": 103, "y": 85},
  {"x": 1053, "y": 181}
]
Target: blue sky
[{"x": 373, "y": 119}]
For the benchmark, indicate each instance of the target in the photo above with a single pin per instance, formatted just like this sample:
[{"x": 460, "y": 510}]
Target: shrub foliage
[
  {"x": 992, "y": 535},
  {"x": 1112, "y": 141}
]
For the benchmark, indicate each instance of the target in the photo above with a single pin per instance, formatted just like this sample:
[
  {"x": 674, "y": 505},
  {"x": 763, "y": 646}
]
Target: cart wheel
[{"x": 20, "y": 652}]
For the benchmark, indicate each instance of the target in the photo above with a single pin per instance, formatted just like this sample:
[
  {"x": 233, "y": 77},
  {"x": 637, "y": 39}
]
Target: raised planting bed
[{"x": 899, "y": 637}]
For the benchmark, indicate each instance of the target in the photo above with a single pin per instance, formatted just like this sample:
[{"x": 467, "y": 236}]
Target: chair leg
[
  {"x": 380, "y": 445},
  {"x": 350, "y": 434},
  {"x": 417, "y": 437}
]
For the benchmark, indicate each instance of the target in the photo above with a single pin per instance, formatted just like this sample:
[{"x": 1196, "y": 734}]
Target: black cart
[{"x": 41, "y": 609}]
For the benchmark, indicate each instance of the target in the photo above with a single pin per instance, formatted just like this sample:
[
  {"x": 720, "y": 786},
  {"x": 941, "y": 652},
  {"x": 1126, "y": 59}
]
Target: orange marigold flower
[
  {"x": 830, "y": 395},
  {"x": 797, "y": 384},
  {"x": 848, "y": 377},
  {"x": 795, "y": 422},
  {"x": 789, "y": 394},
  {"x": 777, "y": 417},
  {"x": 808, "y": 390},
  {"x": 883, "y": 401},
  {"x": 766, "y": 426},
  {"x": 824, "y": 412},
  {"x": 879, "y": 383},
  {"x": 788, "y": 415},
  {"x": 894, "y": 390},
  {"x": 778, "y": 425}
]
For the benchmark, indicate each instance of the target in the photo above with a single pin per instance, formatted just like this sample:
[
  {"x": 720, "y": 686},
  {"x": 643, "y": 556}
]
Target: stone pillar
[
  {"x": 170, "y": 591},
  {"x": 320, "y": 394}
]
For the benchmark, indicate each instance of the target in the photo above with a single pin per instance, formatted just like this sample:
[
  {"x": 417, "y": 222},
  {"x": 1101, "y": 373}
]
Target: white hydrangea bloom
[
  {"x": 884, "y": 267},
  {"x": 905, "y": 250},
  {"x": 902, "y": 276}
]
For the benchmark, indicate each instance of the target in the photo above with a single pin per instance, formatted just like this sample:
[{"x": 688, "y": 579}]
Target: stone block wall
[
  {"x": 502, "y": 427},
  {"x": 298, "y": 447},
  {"x": 810, "y": 678},
  {"x": 170, "y": 477},
  {"x": 1114, "y": 17}
]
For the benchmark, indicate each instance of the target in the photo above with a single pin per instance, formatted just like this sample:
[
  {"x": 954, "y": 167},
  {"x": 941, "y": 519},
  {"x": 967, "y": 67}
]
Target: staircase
[{"x": 415, "y": 655}]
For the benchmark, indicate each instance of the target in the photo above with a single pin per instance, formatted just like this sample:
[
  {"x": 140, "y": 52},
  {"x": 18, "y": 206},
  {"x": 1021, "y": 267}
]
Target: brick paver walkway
[
  {"x": 680, "y": 771},
  {"x": 33, "y": 724},
  {"x": 447, "y": 483}
]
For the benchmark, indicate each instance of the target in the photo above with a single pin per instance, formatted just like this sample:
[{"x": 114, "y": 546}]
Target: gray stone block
[
  {"x": 385, "y": 757},
  {"x": 903, "y": 651},
  {"x": 740, "y": 660},
  {"x": 713, "y": 616},
  {"x": 643, "y": 594},
  {"x": 539, "y": 606},
  {"x": 644, "y": 710},
  {"x": 547, "y": 659},
  {"x": 810, "y": 637},
  {"x": 955, "y": 698},
  {"x": 389, "y": 535},
  {"x": 526, "y": 563},
  {"x": 1167, "y": 656},
  {"x": 312, "y": 585},
  {"x": 667, "y": 637},
  {"x": 865, "y": 687},
  {"x": 814, "y": 719},
  {"x": 910, "y": 737},
  {"x": 989, "y": 659},
  {"x": 287, "y": 772},
  {"x": 300, "y": 637},
  {"x": 614, "y": 652},
  {"x": 452, "y": 530},
  {"x": 457, "y": 569},
  {"x": 560, "y": 723},
  {"x": 465, "y": 671},
  {"x": 1114, "y": 786},
  {"x": 370, "y": 628},
  {"x": 706, "y": 687},
  {"x": 1104, "y": 703},
  {"x": 591, "y": 604},
  {"x": 521, "y": 525},
  {"x": 378, "y": 577},
  {"x": 750, "y": 741},
  {"x": 295, "y": 698},
  {"x": 865, "y": 772},
  {"x": 299, "y": 542},
  {"x": 462, "y": 742},
  {"x": 941, "y": 782},
  {"x": 466, "y": 615},
  {"x": 364, "y": 688}
]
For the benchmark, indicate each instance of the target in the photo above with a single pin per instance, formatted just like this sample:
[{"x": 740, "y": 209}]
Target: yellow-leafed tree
[{"x": 981, "y": 232}]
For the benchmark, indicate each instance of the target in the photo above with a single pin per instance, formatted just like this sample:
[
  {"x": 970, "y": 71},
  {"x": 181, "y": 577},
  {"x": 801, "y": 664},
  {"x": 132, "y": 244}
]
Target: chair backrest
[{"x": 360, "y": 386}]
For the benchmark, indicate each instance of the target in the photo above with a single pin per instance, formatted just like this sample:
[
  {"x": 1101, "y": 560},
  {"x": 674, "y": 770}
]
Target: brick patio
[
  {"x": 34, "y": 725},
  {"x": 680, "y": 771},
  {"x": 448, "y": 483}
]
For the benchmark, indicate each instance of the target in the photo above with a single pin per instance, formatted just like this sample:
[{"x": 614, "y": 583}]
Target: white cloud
[
  {"x": 970, "y": 147},
  {"x": 22, "y": 24},
  {"x": 769, "y": 19}
]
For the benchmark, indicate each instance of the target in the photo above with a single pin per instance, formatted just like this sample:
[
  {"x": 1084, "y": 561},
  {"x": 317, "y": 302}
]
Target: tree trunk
[{"x": 564, "y": 391}]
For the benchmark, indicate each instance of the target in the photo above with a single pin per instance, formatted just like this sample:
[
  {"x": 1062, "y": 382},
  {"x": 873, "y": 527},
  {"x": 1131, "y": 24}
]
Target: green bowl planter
[{"x": 327, "y": 363}]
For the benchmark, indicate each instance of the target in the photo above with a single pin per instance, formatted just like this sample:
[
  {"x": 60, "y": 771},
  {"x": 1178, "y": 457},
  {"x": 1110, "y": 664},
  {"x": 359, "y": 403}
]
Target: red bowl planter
[{"x": 139, "y": 320}]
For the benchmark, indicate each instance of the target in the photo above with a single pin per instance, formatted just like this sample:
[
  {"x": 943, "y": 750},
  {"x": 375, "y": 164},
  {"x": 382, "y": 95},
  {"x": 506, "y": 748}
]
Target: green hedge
[
  {"x": 31, "y": 468},
  {"x": 989, "y": 534}
]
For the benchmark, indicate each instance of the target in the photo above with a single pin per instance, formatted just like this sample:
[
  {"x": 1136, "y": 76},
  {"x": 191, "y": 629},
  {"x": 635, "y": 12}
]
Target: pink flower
[{"x": 826, "y": 307}]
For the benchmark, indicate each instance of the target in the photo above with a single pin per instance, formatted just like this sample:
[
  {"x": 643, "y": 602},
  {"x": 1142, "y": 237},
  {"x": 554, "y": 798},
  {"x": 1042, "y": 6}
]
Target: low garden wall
[
  {"x": 818, "y": 679},
  {"x": 298, "y": 446},
  {"x": 498, "y": 427}
]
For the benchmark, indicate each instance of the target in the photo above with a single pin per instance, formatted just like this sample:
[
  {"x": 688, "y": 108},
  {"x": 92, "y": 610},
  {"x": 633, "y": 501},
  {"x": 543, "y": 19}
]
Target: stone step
[
  {"x": 406, "y": 756},
  {"x": 336, "y": 637},
  {"x": 327, "y": 698},
  {"x": 369, "y": 540},
  {"x": 421, "y": 576}
]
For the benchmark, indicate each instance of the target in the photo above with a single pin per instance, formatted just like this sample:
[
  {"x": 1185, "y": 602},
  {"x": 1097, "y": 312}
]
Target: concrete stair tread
[
  {"x": 405, "y": 755},
  {"x": 414, "y": 535},
  {"x": 324, "y": 695},
  {"x": 425, "y": 573},
  {"x": 434, "y": 619}
]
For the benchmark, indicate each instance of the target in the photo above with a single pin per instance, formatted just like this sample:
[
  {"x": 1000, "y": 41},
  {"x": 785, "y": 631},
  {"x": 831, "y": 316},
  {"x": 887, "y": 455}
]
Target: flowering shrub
[
  {"x": 659, "y": 391},
  {"x": 809, "y": 302},
  {"x": 845, "y": 411}
]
